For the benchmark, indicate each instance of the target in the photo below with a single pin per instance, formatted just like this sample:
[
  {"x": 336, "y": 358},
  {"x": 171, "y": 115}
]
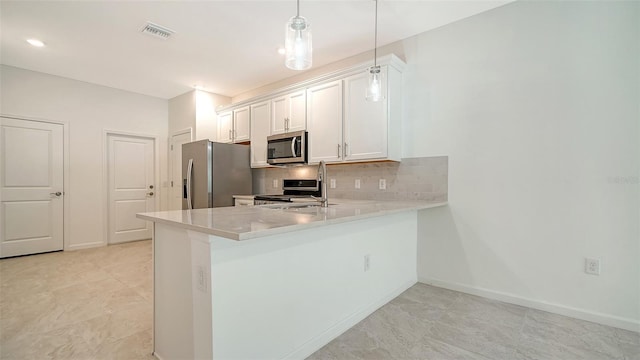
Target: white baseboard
[
  {"x": 323, "y": 339},
  {"x": 582, "y": 314},
  {"x": 85, "y": 246}
]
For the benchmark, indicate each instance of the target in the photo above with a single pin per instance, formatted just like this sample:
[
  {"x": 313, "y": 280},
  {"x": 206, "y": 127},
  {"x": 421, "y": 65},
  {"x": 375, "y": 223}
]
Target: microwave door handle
[
  {"x": 293, "y": 146},
  {"x": 189, "y": 195}
]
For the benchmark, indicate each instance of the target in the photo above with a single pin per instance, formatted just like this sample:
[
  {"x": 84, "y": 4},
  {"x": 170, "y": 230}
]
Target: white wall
[
  {"x": 536, "y": 105},
  {"x": 196, "y": 110},
  {"x": 88, "y": 110},
  {"x": 182, "y": 112}
]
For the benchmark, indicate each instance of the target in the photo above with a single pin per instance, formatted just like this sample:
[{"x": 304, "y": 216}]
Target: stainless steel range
[{"x": 294, "y": 190}]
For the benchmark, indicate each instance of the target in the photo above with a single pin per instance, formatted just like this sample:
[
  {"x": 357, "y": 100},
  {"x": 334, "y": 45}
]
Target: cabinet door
[
  {"x": 225, "y": 126},
  {"x": 260, "y": 120},
  {"x": 241, "y": 124},
  {"x": 297, "y": 111},
  {"x": 324, "y": 115},
  {"x": 279, "y": 112},
  {"x": 365, "y": 122}
]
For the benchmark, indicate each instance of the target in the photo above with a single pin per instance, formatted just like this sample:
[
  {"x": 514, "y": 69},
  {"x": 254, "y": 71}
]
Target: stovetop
[{"x": 295, "y": 189}]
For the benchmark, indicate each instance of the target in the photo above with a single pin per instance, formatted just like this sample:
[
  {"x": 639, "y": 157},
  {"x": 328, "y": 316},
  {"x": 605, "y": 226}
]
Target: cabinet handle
[
  {"x": 286, "y": 124},
  {"x": 338, "y": 151},
  {"x": 346, "y": 150},
  {"x": 230, "y": 136}
]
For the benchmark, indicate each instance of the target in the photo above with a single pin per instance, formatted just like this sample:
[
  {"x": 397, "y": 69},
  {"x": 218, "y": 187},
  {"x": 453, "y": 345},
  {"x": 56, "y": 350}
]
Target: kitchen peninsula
[{"x": 276, "y": 282}]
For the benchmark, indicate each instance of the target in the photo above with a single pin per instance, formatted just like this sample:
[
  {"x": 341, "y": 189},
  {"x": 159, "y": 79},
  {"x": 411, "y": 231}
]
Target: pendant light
[
  {"x": 374, "y": 89},
  {"x": 298, "y": 42}
]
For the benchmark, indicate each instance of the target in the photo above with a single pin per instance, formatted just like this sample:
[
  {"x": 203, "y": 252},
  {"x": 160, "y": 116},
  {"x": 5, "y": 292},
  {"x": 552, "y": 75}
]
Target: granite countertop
[{"x": 250, "y": 222}]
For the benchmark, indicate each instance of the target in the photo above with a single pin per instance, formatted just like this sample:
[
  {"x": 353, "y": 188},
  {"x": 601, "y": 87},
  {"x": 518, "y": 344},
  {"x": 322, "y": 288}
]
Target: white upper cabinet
[
  {"x": 225, "y": 127},
  {"x": 233, "y": 126},
  {"x": 368, "y": 131},
  {"x": 324, "y": 120},
  {"x": 260, "y": 121},
  {"x": 241, "y": 124},
  {"x": 342, "y": 125},
  {"x": 288, "y": 113},
  {"x": 365, "y": 122}
]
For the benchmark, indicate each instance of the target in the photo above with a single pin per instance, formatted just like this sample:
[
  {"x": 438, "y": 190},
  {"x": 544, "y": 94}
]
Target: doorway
[
  {"x": 131, "y": 186},
  {"x": 31, "y": 187},
  {"x": 175, "y": 156}
]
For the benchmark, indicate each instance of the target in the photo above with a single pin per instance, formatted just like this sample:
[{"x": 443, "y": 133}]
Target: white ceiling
[{"x": 229, "y": 47}]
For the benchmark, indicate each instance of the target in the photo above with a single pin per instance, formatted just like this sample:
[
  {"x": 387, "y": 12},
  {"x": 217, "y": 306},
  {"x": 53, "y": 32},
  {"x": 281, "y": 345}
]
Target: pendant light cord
[
  {"x": 298, "y": 11},
  {"x": 375, "y": 37}
]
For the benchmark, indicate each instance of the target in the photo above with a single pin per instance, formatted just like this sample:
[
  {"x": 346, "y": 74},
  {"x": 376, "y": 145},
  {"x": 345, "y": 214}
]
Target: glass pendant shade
[
  {"x": 374, "y": 88},
  {"x": 298, "y": 44}
]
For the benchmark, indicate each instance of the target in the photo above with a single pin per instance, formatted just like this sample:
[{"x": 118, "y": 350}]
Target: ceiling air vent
[{"x": 157, "y": 30}]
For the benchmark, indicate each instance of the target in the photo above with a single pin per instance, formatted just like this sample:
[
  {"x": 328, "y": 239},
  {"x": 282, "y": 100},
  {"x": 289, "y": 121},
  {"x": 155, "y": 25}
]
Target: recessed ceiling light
[
  {"x": 281, "y": 51},
  {"x": 35, "y": 42}
]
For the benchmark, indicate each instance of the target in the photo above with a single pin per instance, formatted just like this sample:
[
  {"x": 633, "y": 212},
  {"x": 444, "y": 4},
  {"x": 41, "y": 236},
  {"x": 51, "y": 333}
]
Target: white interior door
[
  {"x": 131, "y": 186},
  {"x": 176, "y": 168},
  {"x": 31, "y": 187}
]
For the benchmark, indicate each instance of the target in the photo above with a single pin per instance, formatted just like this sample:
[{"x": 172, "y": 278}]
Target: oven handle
[{"x": 293, "y": 146}]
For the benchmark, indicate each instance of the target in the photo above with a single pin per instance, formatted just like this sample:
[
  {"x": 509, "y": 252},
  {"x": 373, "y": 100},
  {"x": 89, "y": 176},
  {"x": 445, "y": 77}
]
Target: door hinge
[
  {"x": 171, "y": 183},
  {"x": 172, "y": 147}
]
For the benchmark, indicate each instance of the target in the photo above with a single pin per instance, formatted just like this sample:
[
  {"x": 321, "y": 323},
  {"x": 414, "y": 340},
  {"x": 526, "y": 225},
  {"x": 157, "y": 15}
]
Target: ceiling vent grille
[{"x": 157, "y": 31}]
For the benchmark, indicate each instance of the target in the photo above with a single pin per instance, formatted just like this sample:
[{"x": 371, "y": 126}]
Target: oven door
[{"x": 290, "y": 148}]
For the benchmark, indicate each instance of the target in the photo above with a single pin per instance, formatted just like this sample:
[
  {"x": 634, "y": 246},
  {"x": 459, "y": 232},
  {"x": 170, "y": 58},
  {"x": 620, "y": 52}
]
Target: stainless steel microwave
[{"x": 288, "y": 148}]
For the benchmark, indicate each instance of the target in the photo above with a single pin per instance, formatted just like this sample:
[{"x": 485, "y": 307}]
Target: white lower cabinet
[
  {"x": 243, "y": 201},
  {"x": 260, "y": 120},
  {"x": 324, "y": 122}
]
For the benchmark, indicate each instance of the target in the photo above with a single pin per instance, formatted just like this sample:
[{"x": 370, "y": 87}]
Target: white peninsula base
[{"x": 281, "y": 296}]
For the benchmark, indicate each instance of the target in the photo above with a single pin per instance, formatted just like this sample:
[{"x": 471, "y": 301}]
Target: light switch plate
[
  {"x": 275, "y": 183},
  {"x": 332, "y": 183},
  {"x": 357, "y": 184},
  {"x": 382, "y": 184}
]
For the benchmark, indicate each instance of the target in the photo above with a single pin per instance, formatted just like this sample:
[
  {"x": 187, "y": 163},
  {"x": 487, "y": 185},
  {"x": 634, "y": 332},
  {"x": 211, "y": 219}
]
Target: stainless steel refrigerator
[{"x": 213, "y": 172}]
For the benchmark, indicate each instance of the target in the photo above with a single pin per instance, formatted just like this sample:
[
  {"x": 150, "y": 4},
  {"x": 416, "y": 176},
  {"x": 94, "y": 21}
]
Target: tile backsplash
[{"x": 423, "y": 178}]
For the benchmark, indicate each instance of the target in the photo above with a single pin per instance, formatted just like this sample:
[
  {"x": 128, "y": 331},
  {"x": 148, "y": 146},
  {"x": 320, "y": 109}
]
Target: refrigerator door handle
[
  {"x": 293, "y": 146},
  {"x": 189, "y": 174}
]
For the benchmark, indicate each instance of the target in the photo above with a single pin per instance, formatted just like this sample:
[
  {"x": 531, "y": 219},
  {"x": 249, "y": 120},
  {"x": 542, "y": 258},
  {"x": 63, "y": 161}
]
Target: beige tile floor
[
  {"x": 87, "y": 304},
  {"x": 96, "y": 304},
  {"x": 427, "y": 322}
]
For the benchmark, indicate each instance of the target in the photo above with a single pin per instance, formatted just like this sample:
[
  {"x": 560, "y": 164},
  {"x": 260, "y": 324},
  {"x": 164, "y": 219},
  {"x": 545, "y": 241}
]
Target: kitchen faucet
[{"x": 322, "y": 179}]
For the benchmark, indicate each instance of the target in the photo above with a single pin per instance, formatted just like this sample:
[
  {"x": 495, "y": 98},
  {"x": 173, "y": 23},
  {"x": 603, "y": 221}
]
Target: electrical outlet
[
  {"x": 275, "y": 183},
  {"x": 592, "y": 266},
  {"x": 367, "y": 262},
  {"x": 382, "y": 184},
  {"x": 357, "y": 184},
  {"x": 332, "y": 183}
]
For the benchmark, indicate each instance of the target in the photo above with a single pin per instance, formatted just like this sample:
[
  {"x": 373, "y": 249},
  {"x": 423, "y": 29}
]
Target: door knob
[
  {"x": 57, "y": 193},
  {"x": 150, "y": 193}
]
